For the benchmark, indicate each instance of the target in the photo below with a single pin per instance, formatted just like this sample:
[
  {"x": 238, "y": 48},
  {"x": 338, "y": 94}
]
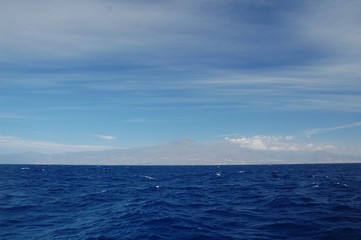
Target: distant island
[{"x": 181, "y": 152}]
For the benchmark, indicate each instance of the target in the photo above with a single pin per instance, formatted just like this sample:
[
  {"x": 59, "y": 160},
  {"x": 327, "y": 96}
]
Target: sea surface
[{"x": 180, "y": 202}]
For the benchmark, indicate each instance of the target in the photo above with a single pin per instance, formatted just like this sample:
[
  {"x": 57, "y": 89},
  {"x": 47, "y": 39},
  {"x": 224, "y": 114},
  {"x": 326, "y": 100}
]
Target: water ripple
[{"x": 227, "y": 202}]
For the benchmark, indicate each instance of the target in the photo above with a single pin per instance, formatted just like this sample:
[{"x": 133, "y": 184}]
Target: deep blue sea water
[{"x": 180, "y": 202}]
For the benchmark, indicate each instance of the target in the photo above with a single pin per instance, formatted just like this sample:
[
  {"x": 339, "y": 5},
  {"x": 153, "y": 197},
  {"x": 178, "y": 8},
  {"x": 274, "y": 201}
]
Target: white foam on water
[{"x": 147, "y": 177}]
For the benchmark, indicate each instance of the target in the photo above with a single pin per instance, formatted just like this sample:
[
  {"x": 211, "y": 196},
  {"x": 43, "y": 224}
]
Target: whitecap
[
  {"x": 147, "y": 177},
  {"x": 24, "y": 168}
]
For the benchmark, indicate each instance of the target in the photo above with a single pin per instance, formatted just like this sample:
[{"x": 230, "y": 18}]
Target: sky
[{"x": 98, "y": 75}]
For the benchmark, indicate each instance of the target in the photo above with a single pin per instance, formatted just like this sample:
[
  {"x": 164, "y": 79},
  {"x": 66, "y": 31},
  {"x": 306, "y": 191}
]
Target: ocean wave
[{"x": 100, "y": 203}]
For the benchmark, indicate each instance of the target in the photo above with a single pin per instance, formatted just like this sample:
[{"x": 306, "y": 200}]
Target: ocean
[{"x": 319, "y": 201}]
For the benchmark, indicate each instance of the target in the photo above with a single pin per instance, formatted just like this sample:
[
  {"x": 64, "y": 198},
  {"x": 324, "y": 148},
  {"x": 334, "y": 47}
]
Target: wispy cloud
[
  {"x": 138, "y": 120},
  {"x": 18, "y": 144},
  {"x": 332, "y": 25},
  {"x": 106, "y": 137},
  {"x": 210, "y": 54},
  {"x": 277, "y": 143},
  {"x": 129, "y": 27},
  {"x": 316, "y": 131},
  {"x": 12, "y": 116}
]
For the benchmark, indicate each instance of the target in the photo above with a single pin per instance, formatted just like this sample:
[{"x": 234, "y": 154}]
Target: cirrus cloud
[
  {"x": 106, "y": 137},
  {"x": 18, "y": 144},
  {"x": 315, "y": 131}
]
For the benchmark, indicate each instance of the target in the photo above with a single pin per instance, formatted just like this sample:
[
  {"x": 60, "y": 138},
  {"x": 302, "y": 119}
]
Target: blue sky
[{"x": 92, "y": 75}]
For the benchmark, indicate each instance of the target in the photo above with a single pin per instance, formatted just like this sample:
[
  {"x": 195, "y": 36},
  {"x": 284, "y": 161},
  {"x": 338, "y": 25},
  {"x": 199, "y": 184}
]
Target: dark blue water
[{"x": 227, "y": 202}]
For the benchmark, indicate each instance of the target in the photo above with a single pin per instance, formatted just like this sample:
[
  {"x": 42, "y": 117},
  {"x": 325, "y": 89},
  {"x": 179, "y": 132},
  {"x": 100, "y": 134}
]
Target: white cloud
[
  {"x": 105, "y": 137},
  {"x": 17, "y": 144},
  {"x": 315, "y": 131},
  {"x": 276, "y": 143}
]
